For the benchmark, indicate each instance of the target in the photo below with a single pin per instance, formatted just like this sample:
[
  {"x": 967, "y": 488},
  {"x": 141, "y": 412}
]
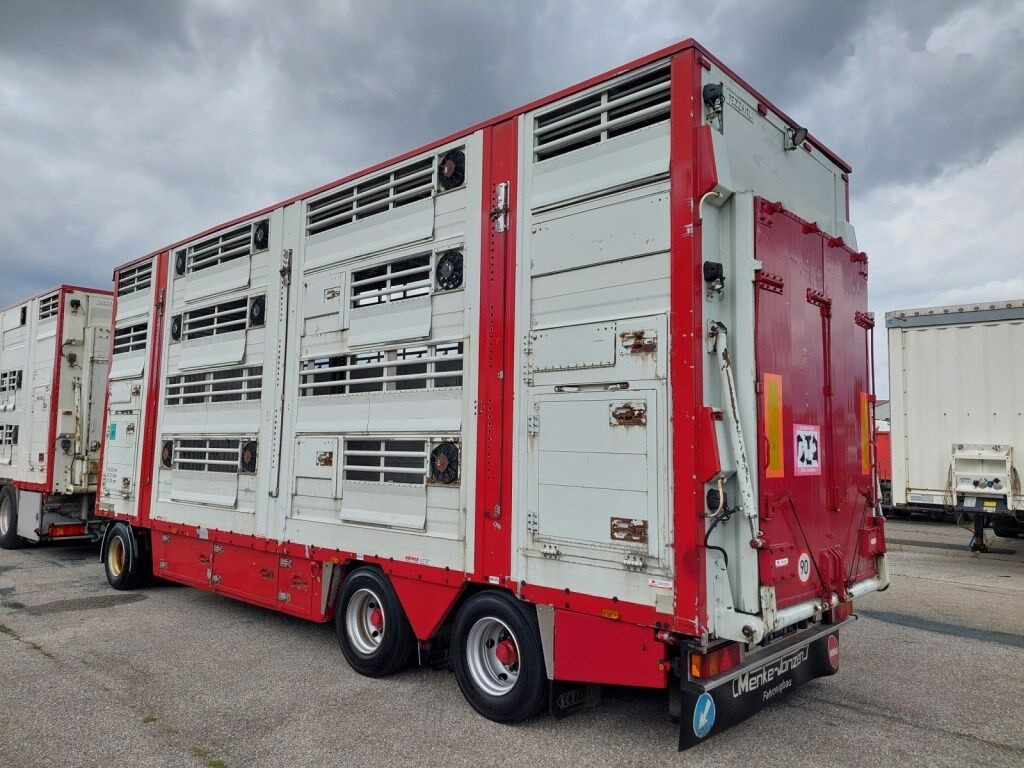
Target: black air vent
[
  {"x": 176, "y": 328},
  {"x": 448, "y": 270},
  {"x": 444, "y": 463},
  {"x": 261, "y": 235},
  {"x": 179, "y": 263},
  {"x": 249, "y": 455},
  {"x": 451, "y": 169},
  {"x": 167, "y": 454},
  {"x": 257, "y": 311}
]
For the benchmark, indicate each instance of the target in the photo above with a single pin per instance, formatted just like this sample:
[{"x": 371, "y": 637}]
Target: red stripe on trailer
[
  {"x": 685, "y": 360},
  {"x": 495, "y": 427}
]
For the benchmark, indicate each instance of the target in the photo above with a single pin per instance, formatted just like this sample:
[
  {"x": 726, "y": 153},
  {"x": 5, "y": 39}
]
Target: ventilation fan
[
  {"x": 167, "y": 453},
  {"x": 261, "y": 235},
  {"x": 176, "y": 328},
  {"x": 179, "y": 263},
  {"x": 451, "y": 169},
  {"x": 448, "y": 271},
  {"x": 444, "y": 463},
  {"x": 248, "y": 463},
  {"x": 257, "y": 311}
]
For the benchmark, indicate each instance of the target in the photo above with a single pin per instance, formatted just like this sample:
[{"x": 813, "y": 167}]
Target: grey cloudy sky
[{"x": 127, "y": 125}]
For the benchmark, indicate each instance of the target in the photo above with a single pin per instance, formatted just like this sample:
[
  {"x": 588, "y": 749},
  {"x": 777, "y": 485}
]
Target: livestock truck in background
[
  {"x": 956, "y": 378},
  {"x": 579, "y": 395},
  {"x": 54, "y": 350}
]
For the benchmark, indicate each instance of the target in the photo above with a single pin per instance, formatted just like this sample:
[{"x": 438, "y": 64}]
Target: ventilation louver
[
  {"x": 48, "y": 306},
  {"x": 130, "y": 338},
  {"x": 257, "y": 311},
  {"x": 632, "y": 104},
  {"x": 179, "y": 263},
  {"x": 444, "y": 463},
  {"x": 448, "y": 271},
  {"x": 167, "y": 454},
  {"x": 134, "y": 279},
  {"x": 176, "y": 328},
  {"x": 451, "y": 169},
  {"x": 249, "y": 455}
]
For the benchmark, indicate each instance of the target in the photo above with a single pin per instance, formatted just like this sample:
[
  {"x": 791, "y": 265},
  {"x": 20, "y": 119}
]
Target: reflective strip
[
  {"x": 865, "y": 434},
  {"x": 776, "y": 464}
]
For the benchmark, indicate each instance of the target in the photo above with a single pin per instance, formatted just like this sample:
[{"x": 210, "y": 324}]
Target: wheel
[
  {"x": 373, "y": 631},
  {"x": 498, "y": 657},
  {"x": 125, "y": 570},
  {"x": 9, "y": 538},
  {"x": 1005, "y": 531}
]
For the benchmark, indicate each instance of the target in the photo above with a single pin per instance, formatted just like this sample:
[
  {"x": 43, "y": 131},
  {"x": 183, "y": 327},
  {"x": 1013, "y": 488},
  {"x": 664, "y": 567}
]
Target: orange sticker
[
  {"x": 865, "y": 433},
  {"x": 775, "y": 466}
]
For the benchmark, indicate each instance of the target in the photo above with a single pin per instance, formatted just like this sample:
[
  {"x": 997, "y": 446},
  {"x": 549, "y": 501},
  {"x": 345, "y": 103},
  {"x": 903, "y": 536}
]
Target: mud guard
[
  {"x": 108, "y": 531},
  {"x": 712, "y": 706}
]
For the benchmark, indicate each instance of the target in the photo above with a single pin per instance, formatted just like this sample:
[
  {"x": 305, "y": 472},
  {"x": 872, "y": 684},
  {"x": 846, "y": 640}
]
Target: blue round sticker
[{"x": 703, "y": 715}]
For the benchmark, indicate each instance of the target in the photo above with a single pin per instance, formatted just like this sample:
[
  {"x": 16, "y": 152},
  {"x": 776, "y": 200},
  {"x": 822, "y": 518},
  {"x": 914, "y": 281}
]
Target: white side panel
[
  {"x": 412, "y": 223},
  {"x": 385, "y": 323}
]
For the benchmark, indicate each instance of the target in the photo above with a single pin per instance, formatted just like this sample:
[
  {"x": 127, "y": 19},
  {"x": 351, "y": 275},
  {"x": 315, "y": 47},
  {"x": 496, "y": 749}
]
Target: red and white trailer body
[
  {"x": 53, "y": 368},
  {"x": 582, "y": 389}
]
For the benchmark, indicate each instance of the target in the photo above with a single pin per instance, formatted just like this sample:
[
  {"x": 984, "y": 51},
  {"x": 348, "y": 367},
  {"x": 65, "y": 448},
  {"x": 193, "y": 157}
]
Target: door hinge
[
  {"x": 286, "y": 562},
  {"x": 499, "y": 213},
  {"x": 533, "y": 425},
  {"x": 532, "y": 522},
  {"x": 549, "y": 550},
  {"x": 283, "y": 597},
  {"x": 635, "y": 562},
  {"x": 286, "y": 266},
  {"x": 218, "y": 549},
  {"x": 215, "y": 578}
]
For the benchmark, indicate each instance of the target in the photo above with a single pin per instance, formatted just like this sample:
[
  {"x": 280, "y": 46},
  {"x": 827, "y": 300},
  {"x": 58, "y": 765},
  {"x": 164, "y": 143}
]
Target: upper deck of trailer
[{"x": 666, "y": 52}]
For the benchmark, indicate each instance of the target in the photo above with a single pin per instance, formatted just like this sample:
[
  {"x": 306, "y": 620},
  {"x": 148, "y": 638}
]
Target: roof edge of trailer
[
  {"x": 670, "y": 50},
  {"x": 65, "y": 287},
  {"x": 956, "y": 314}
]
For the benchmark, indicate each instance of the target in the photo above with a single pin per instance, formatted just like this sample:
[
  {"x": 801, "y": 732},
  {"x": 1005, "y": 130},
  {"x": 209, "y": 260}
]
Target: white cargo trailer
[
  {"x": 956, "y": 378},
  {"x": 54, "y": 350}
]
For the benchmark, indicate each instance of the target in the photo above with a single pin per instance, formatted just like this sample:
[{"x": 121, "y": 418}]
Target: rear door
[{"x": 813, "y": 408}]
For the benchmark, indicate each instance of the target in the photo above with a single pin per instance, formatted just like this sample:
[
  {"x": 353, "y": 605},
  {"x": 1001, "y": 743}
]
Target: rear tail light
[
  {"x": 714, "y": 663},
  {"x": 840, "y": 612},
  {"x": 77, "y": 529}
]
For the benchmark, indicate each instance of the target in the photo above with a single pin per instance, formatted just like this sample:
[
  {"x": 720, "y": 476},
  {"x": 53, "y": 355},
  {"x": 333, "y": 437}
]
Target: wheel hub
[
  {"x": 506, "y": 652},
  {"x": 376, "y": 618}
]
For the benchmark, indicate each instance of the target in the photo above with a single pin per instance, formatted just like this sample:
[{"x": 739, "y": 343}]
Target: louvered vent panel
[
  {"x": 207, "y": 455},
  {"x": 10, "y": 381},
  {"x": 394, "y": 281},
  {"x": 230, "y": 385},
  {"x": 235, "y": 244},
  {"x": 48, "y": 306},
  {"x": 8, "y": 434},
  {"x": 411, "y": 182},
  {"x": 430, "y": 366},
  {"x": 220, "y": 318},
  {"x": 386, "y": 460},
  {"x": 630, "y": 105},
  {"x": 137, "y": 278},
  {"x": 130, "y": 338}
]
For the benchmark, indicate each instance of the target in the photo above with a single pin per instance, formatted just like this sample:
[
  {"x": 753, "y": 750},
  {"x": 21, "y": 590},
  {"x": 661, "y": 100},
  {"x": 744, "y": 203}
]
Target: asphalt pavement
[{"x": 932, "y": 674}]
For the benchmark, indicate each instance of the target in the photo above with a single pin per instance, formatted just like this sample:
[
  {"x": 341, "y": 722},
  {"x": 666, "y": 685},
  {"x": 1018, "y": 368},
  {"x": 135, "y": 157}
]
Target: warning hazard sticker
[{"x": 806, "y": 449}]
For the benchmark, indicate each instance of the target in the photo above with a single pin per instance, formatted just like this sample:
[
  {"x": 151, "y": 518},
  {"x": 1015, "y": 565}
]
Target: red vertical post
[
  {"x": 493, "y": 555},
  {"x": 685, "y": 359}
]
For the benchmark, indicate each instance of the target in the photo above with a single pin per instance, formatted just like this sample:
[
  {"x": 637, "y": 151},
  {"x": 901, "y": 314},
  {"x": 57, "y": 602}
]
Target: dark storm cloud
[{"x": 126, "y": 125}]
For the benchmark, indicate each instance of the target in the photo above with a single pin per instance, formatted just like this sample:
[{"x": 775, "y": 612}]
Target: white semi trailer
[
  {"x": 54, "y": 354},
  {"x": 956, "y": 378}
]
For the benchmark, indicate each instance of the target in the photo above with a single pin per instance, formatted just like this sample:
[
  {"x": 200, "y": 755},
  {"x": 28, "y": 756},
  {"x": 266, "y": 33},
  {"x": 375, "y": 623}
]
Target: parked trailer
[
  {"x": 53, "y": 368},
  {"x": 577, "y": 396},
  {"x": 883, "y": 460},
  {"x": 957, "y": 382}
]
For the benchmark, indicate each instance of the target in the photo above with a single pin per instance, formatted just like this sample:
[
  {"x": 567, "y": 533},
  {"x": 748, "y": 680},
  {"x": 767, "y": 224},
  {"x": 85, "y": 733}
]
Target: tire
[
  {"x": 372, "y": 629},
  {"x": 1005, "y": 532},
  {"x": 124, "y": 570},
  {"x": 9, "y": 538},
  {"x": 498, "y": 657}
]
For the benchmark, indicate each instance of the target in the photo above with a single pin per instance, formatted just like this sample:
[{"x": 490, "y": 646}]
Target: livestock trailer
[
  {"x": 883, "y": 460},
  {"x": 54, "y": 350},
  {"x": 956, "y": 377},
  {"x": 578, "y": 395}
]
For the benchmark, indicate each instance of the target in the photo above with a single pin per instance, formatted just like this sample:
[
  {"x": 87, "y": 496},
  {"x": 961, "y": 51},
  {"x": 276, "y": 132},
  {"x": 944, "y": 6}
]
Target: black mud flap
[
  {"x": 566, "y": 698},
  {"x": 711, "y": 706}
]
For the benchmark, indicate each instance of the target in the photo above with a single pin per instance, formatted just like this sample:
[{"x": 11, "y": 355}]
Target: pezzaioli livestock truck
[{"x": 579, "y": 395}]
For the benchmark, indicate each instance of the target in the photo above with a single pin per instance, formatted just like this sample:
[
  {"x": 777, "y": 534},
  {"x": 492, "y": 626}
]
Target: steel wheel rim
[
  {"x": 5, "y": 516},
  {"x": 489, "y": 673},
  {"x": 364, "y": 621},
  {"x": 115, "y": 556}
]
